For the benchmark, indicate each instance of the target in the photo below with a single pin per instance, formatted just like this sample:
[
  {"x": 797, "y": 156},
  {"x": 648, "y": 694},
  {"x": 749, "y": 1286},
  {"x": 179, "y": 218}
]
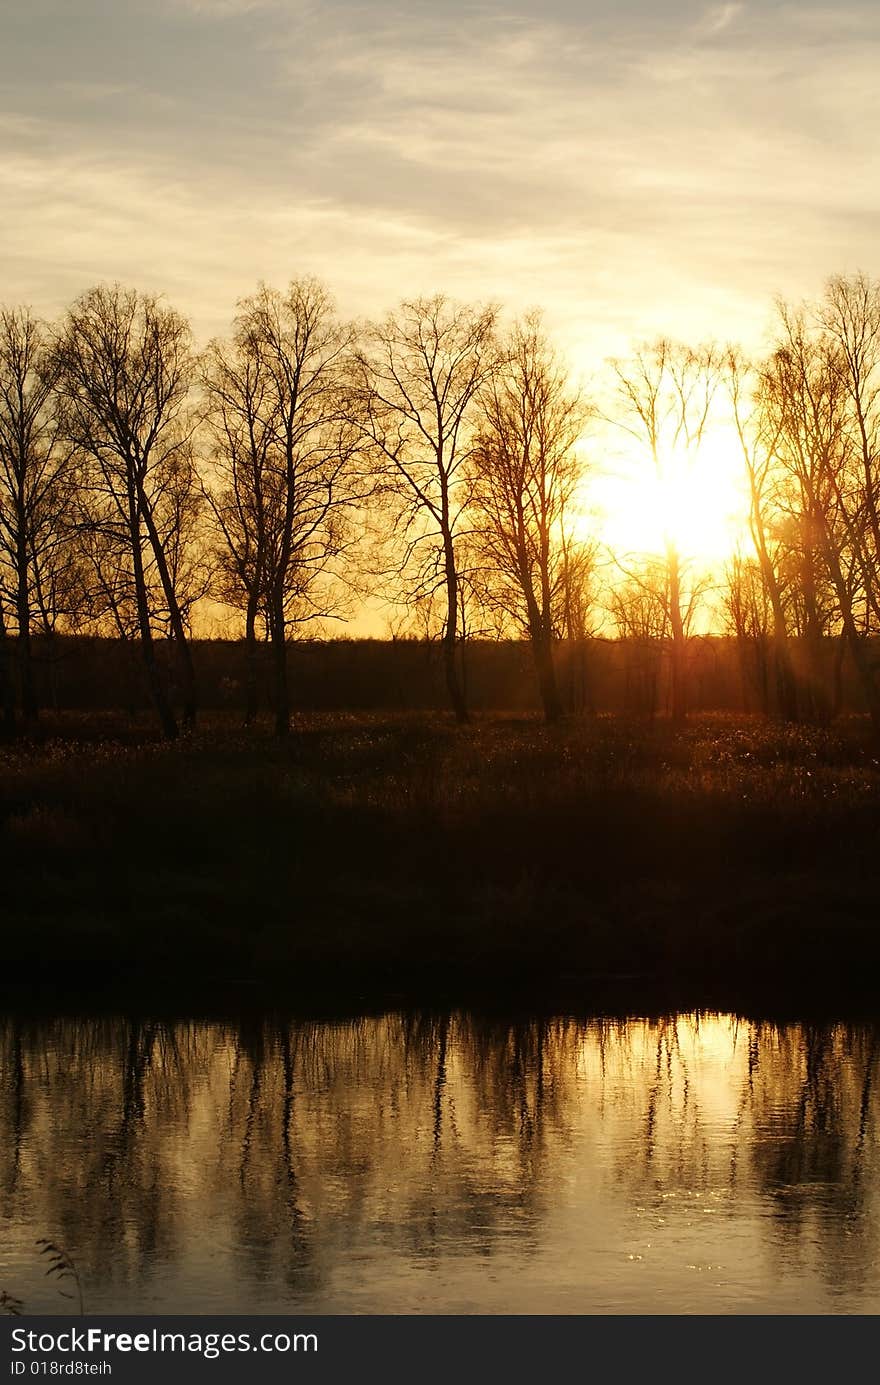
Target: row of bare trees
[
  {"x": 808, "y": 423},
  {"x": 433, "y": 457},
  {"x": 277, "y": 473}
]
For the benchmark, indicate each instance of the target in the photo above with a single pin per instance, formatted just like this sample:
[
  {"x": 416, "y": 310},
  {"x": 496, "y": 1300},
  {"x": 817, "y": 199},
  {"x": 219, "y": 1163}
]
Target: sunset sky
[{"x": 633, "y": 166}]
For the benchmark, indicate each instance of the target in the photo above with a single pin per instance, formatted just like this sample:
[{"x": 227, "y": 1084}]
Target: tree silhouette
[
  {"x": 526, "y": 472},
  {"x": 124, "y": 368},
  {"x": 416, "y": 380},
  {"x": 284, "y": 485}
]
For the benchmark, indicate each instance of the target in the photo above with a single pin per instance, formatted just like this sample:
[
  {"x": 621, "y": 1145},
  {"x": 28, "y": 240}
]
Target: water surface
[{"x": 443, "y": 1164}]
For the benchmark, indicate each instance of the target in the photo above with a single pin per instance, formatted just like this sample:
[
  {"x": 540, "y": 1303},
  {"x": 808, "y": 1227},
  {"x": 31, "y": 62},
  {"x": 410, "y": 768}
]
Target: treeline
[
  {"x": 435, "y": 457},
  {"x": 85, "y": 674}
]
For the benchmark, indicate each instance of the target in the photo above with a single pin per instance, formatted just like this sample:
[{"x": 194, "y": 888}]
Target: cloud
[
  {"x": 717, "y": 19},
  {"x": 223, "y": 9},
  {"x": 626, "y": 174}
]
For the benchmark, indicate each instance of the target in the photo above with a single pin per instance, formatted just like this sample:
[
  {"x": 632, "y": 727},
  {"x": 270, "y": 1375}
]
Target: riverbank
[{"x": 383, "y": 856}]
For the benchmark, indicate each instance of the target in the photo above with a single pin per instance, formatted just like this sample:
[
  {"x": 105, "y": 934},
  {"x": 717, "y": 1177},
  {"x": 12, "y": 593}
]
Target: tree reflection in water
[{"x": 343, "y": 1164}]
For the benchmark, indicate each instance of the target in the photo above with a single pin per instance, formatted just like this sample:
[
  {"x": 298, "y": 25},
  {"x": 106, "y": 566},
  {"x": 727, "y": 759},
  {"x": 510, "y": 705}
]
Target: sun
[{"x": 694, "y": 504}]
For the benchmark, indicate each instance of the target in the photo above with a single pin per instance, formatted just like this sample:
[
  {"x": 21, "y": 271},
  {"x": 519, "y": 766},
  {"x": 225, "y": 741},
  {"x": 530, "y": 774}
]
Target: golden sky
[{"x": 633, "y": 166}]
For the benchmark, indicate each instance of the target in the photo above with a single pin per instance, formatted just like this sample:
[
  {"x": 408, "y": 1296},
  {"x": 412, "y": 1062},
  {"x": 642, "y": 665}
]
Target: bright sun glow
[{"x": 697, "y": 504}]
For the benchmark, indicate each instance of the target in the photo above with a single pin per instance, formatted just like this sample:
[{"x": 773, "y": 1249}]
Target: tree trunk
[
  {"x": 250, "y": 645},
  {"x": 542, "y": 626},
  {"x": 167, "y": 719},
  {"x": 819, "y": 701},
  {"x": 785, "y": 681},
  {"x": 25, "y": 661},
  {"x": 783, "y": 669},
  {"x": 184, "y": 653},
  {"x": 7, "y": 691},
  {"x": 148, "y": 647},
  {"x": 858, "y": 648},
  {"x": 52, "y": 657},
  {"x": 542, "y": 650},
  {"x": 453, "y": 683},
  {"x": 837, "y": 678},
  {"x": 862, "y": 662},
  {"x": 679, "y": 642},
  {"x": 279, "y": 666}
]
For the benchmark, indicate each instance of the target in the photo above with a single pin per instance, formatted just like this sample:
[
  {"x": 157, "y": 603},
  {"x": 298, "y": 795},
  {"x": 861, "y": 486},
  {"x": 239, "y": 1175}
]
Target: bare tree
[
  {"x": 7, "y": 686},
  {"x": 666, "y": 394},
  {"x": 579, "y": 562},
  {"x": 747, "y": 607},
  {"x": 756, "y": 427},
  {"x": 36, "y": 491},
  {"x": 846, "y": 323},
  {"x": 416, "y": 381},
  {"x": 111, "y": 607},
  {"x": 806, "y": 383},
  {"x": 850, "y": 317},
  {"x": 284, "y": 486},
  {"x": 639, "y": 610},
  {"x": 526, "y": 470},
  {"x": 124, "y": 371},
  {"x": 242, "y": 418}
]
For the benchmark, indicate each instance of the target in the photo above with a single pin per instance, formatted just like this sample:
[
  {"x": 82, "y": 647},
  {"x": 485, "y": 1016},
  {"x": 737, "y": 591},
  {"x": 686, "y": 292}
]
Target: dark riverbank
[{"x": 380, "y": 858}]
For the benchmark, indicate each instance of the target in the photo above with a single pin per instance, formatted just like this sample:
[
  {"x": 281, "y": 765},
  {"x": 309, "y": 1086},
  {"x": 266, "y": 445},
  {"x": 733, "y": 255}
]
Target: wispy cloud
[
  {"x": 717, "y": 19},
  {"x": 628, "y": 173},
  {"x": 220, "y": 9}
]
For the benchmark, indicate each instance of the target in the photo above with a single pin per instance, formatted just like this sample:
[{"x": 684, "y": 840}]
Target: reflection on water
[{"x": 443, "y": 1164}]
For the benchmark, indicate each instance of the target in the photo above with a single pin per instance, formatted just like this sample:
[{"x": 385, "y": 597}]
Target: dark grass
[{"x": 392, "y": 855}]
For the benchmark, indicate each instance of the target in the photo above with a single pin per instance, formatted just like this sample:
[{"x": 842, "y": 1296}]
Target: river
[{"x": 441, "y": 1163}]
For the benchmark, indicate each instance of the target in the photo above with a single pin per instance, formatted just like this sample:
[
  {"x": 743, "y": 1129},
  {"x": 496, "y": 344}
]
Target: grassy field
[{"x": 403, "y": 855}]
